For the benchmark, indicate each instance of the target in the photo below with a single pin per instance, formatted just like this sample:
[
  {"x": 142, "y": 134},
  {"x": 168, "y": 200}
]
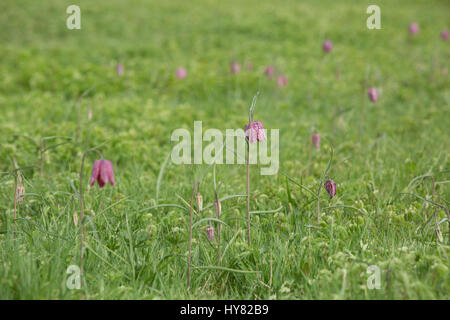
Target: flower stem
[
  {"x": 190, "y": 236},
  {"x": 248, "y": 194}
]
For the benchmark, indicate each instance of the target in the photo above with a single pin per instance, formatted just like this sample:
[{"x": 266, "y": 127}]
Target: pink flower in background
[
  {"x": 444, "y": 35},
  {"x": 249, "y": 66},
  {"x": 120, "y": 69},
  {"x": 413, "y": 28},
  {"x": 255, "y": 132},
  {"x": 373, "y": 94},
  {"x": 269, "y": 71},
  {"x": 181, "y": 73},
  {"x": 210, "y": 233},
  {"x": 330, "y": 186},
  {"x": 235, "y": 67},
  {"x": 102, "y": 172},
  {"x": 316, "y": 140},
  {"x": 327, "y": 46},
  {"x": 282, "y": 81}
]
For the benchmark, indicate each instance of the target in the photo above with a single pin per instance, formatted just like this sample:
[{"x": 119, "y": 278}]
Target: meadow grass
[{"x": 52, "y": 78}]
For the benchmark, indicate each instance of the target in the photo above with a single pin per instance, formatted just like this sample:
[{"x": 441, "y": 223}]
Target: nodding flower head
[
  {"x": 120, "y": 69},
  {"x": 199, "y": 200},
  {"x": 444, "y": 35},
  {"x": 327, "y": 46},
  {"x": 254, "y": 131},
  {"x": 270, "y": 70},
  {"x": 235, "y": 67},
  {"x": 210, "y": 233},
  {"x": 181, "y": 73},
  {"x": 330, "y": 186},
  {"x": 282, "y": 81},
  {"x": 102, "y": 172},
  {"x": 373, "y": 94},
  {"x": 413, "y": 28},
  {"x": 316, "y": 140}
]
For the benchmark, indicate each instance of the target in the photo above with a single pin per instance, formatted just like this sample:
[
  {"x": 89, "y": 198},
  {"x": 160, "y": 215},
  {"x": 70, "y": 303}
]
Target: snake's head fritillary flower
[
  {"x": 330, "y": 186},
  {"x": 210, "y": 233},
  {"x": 235, "y": 67},
  {"x": 255, "y": 132},
  {"x": 120, "y": 69},
  {"x": 316, "y": 140},
  {"x": 444, "y": 35},
  {"x": 327, "y": 46},
  {"x": 181, "y": 73},
  {"x": 102, "y": 172},
  {"x": 282, "y": 81},
  {"x": 270, "y": 70},
  {"x": 373, "y": 94},
  {"x": 413, "y": 28}
]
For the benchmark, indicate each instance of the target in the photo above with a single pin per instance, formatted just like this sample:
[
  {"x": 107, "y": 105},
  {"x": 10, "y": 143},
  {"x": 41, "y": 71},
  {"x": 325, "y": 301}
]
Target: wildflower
[
  {"x": 102, "y": 172},
  {"x": 316, "y": 140},
  {"x": 210, "y": 233},
  {"x": 327, "y": 46},
  {"x": 269, "y": 71},
  {"x": 413, "y": 28},
  {"x": 444, "y": 35},
  {"x": 235, "y": 67},
  {"x": 330, "y": 186},
  {"x": 254, "y": 131},
  {"x": 373, "y": 94},
  {"x": 120, "y": 69},
  {"x": 199, "y": 200},
  {"x": 181, "y": 73},
  {"x": 282, "y": 81}
]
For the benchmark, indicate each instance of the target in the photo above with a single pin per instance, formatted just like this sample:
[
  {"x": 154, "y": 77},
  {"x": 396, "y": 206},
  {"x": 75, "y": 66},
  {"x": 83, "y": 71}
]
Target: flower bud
[
  {"x": 210, "y": 233},
  {"x": 199, "y": 200},
  {"x": 218, "y": 207}
]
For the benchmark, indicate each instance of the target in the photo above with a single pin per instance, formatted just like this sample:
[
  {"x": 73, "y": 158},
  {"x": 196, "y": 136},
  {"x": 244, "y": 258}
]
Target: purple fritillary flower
[
  {"x": 413, "y": 28},
  {"x": 327, "y": 46},
  {"x": 330, "y": 186},
  {"x": 210, "y": 233},
  {"x": 282, "y": 81},
  {"x": 373, "y": 94},
  {"x": 120, "y": 69},
  {"x": 102, "y": 172},
  {"x": 316, "y": 140},
  {"x": 181, "y": 73},
  {"x": 270, "y": 70},
  {"x": 235, "y": 67},
  {"x": 444, "y": 35},
  {"x": 255, "y": 132}
]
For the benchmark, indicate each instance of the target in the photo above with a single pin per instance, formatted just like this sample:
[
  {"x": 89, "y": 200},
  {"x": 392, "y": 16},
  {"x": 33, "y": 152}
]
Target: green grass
[{"x": 45, "y": 67}]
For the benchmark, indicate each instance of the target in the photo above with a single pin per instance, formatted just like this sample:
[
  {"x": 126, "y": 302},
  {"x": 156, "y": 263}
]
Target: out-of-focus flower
[
  {"x": 249, "y": 66},
  {"x": 235, "y": 67},
  {"x": 282, "y": 81},
  {"x": 210, "y": 233},
  {"x": 373, "y": 94},
  {"x": 255, "y": 132},
  {"x": 327, "y": 46},
  {"x": 120, "y": 69},
  {"x": 270, "y": 70},
  {"x": 330, "y": 186},
  {"x": 316, "y": 140},
  {"x": 413, "y": 28},
  {"x": 102, "y": 172},
  {"x": 444, "y": 35},
  {"x": 181, "y": 73}
]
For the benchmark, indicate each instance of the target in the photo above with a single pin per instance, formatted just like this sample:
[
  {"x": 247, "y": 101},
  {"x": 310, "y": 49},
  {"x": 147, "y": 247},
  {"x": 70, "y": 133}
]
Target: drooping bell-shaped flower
[
  {"x": 270, "y": 70},
  {"x": 120, "y": 69},
  {"x": 282, "y": 81},
  {"x": 413, "y": 28},
  {"x": 254, "y": 131},
  {"x": 444, "y": 35},
  {"x": 102, "y": 172},
  {"x": 327, "y": 46},
  {"x": 235, "y": 67},
  {"x": 316, "y": 140},
  {"x": 373, "y": 94},
  {"x": 210, "y": 233},
  {"x": 181, "y": 73},
  {"x": 330, "y": 186}
]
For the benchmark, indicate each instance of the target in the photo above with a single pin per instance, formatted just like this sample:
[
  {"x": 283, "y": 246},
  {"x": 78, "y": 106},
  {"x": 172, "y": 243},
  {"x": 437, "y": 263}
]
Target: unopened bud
[
  {"x": 199, "y": 200},
  {"x": 210, "y": 233}
]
